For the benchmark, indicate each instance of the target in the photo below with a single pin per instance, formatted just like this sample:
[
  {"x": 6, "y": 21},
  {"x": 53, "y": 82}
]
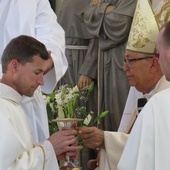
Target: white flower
[
  {"x": 65, "y": 100},
  {"x": 46, "y": 99},
  {"x": 87, "y": 120},
  {"x": 66, "y": 94},
  {"x": 52, "y": 107}
]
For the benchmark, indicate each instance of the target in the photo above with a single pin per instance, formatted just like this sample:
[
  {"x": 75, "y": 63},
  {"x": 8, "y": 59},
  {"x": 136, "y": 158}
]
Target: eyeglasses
[{"x": 130, "y": 61}]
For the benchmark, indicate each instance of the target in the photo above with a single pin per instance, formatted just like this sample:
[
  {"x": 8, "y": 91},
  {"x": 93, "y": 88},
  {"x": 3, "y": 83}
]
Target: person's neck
[
  {"x": 8, "y": 81},
  {"x": 152, "y": 87}
]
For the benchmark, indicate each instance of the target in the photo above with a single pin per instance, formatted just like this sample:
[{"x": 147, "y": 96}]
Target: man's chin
[
  {"x": 131, "y": 83},
  {"x": 30, "y": 94}
]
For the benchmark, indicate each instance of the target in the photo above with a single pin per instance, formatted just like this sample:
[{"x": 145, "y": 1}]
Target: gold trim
[
  {"x": 144, "y": 29},
  {"x": 35, "y": 145}
]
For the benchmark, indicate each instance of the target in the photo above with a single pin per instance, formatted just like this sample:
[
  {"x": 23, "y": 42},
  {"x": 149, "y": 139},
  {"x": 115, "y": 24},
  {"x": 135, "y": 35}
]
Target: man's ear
[
  {"x": 14, "y": 64},
  {"x": 155, "y": 64}
]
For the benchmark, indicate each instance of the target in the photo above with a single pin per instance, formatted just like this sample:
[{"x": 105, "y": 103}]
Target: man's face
[
  {"x": 138, "y": 71},
  {"x": 164, "y": 56},
  {"x": 29, "y": 76}
]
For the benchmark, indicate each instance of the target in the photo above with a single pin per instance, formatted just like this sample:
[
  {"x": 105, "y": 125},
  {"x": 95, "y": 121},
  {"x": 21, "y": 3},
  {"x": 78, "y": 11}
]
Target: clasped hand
[{"x": 65, "y": 143}]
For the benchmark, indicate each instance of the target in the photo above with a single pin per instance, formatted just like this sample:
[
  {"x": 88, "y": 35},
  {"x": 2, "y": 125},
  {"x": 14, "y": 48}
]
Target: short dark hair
[
  {"x": 166, "y": 34},
  {"x": 23, "y": 48}
]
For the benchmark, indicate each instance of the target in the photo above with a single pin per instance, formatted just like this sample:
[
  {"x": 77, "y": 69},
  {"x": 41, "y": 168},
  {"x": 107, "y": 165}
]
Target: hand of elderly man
[{"x": 91, "y": 136}]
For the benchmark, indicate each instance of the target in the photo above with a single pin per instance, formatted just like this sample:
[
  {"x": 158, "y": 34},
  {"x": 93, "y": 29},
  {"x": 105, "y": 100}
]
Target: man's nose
[
  {"x": 125, "y": 67},
  {"x": 40, "y": 80}
]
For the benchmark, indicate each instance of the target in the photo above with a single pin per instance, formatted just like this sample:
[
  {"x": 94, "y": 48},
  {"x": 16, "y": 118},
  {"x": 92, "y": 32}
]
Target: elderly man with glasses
[
  {"x": 148, "y": 142},
  {"x": 143, "y": 71},
  {"x": 130, "y": 61}
]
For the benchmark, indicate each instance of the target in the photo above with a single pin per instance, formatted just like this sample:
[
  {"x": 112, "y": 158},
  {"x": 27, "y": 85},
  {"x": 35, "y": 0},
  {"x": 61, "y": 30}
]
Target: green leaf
[
  {"x": 91, "y": 87},
  {"x": 60, "y": 111},
  {"x": 52, "y": 97},
  {"x": 102, "y": 115},
  {"x": 75, "y": 101},
  {"x": 70, "y": 110}
]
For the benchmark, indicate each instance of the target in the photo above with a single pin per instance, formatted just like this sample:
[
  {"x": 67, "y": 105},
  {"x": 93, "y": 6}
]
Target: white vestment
[
  {"x": 35, "y": 18},
  {"x": 148, "y": 146},
  {"x": 131, "y": 103},
  {"x": 116, "y": 141},
  {"x": 16, "y": 146}
]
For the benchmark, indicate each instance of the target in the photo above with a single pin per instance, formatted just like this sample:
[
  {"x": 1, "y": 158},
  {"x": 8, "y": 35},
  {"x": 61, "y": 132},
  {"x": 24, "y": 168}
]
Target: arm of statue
[
  {"x": 89, "y": 65},
  {"x": 84, "y": 81},
  {"x": 95, "y": 2},
  {"x": 109, "y": 9}
]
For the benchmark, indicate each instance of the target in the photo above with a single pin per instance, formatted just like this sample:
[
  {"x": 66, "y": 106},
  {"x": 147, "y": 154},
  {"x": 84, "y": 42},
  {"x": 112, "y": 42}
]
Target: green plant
[{"x": 65, "y": 101}]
